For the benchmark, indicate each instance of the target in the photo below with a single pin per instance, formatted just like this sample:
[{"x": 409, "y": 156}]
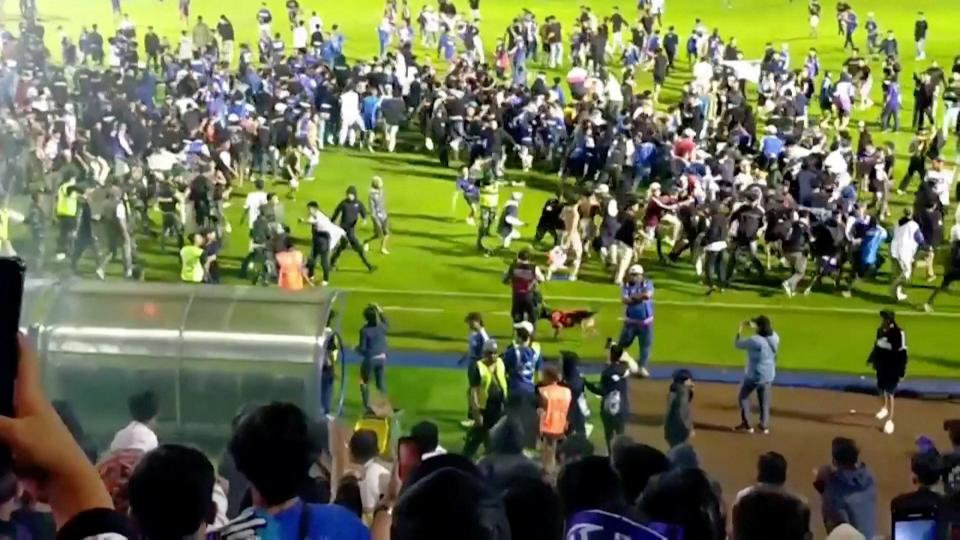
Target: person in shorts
[{"x": 889, "y": 361}]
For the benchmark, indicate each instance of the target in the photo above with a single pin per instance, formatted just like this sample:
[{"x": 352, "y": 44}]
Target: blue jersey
[
  {"x": 475, "y": 342},
  {"x": 639, "y": 312},
  {"x": 522, "y": 362}
]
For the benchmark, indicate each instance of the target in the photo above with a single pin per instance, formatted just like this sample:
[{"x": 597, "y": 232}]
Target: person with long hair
[
  {"x": 889, "y": 361},
  {"x": 762, "y": 350}
]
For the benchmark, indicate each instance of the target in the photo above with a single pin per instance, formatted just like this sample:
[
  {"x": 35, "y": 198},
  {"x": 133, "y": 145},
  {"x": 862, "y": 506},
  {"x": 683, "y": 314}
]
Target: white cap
[
  {"x": 516, "y": 195},
  {"x": 602, "y": 189},
  {"x": 490, "y": 346},
  {"x": 524, "y": 325},
  {"x": 635, "y": 270}
]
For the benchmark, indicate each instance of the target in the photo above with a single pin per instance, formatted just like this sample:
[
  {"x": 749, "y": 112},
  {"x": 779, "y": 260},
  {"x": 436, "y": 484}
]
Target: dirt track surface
[{"x": 802, "y": 426}]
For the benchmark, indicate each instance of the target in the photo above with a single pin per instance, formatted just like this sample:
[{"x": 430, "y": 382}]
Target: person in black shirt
[
  {"x": 925, "y": 467},
  {"x": 715, "y": 247},
  {"x": 613, "y": 392},
  {"x": 749, "y": 219},
  {"x": 151, "y": 45},
  {"x": 348, "y": 212},
  {"x": 952, "y": 270},
  {"x": 920, "y": 28},
  {"x": 794, "y": 248},
  {"x": 670, "y": 43},
  {"x": 226, "y": 33}
]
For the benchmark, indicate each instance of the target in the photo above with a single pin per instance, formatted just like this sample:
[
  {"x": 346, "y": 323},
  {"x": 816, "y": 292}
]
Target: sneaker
[
  {"x": 372, "y": 268},
  {"x": 765, "y": 430},
  {"x": 324, "y": 283},
  {"x": 589, "y": 429},
  {"x": 61, "y": 256},
  {"x": 743, "y": 428},
  {"x": 928, "y": 308},
  {"x": 573, "y": 277},
  {"x": 471, "y": 221},
  {"x": 384, "y": 251},
  {"x": 467, "y": 424},
  {"x": 882, "y": 413},
  {"x": 101, "y": 274},
  {"x": 787, "y": 289},
  {"x": 901, "y": 296},
  {"x": 366, "y": 248},
  {"x": 643, "y": 373},
  {"x": 846, "y": 294},
  {"x": 888, "y": 427},
  {"x": 931, "y": 279}
]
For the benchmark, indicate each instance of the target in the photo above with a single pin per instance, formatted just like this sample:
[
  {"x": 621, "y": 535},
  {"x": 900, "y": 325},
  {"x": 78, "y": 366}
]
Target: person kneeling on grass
[{"x": 889, "y": 361}]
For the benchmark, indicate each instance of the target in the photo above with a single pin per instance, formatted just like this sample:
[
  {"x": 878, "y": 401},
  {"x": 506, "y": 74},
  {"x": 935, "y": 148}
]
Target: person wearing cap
[
  {"x": 762, "y": 350},
  {"x": 889, "y": 361},
  {"x": 510, "y": 220},
  {"x": 522, "y": 360},
  {"x": 349, "y": 212},
  {"x": 637, "y": 297},
  {"x": 523, "y": 276},
  {"x": 488, "y": 396}
]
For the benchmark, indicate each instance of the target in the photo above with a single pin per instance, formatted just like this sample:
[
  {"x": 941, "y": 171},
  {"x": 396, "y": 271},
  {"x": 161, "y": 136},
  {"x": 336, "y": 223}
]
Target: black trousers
[
  {"x": 320, "y": 250},
  {"x": 917, "y": 166},
  {"x": 524, "y": 308},
  {"x": 613, "y": 425},
  {"x": 68, "y": 233},
  {"x": 751, "y": 250},
  {"x": 354, "y": 243}
]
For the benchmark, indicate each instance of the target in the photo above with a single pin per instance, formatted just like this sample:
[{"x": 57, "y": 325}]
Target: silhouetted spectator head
[
  {"x": 589, "y": 484},
  {"x": 271, "y": 447},
  {"x": 363, "y": 446},
  {"x": 533, "y": 510},
  {"x": 926, "y": 468},
  {"x": 636, "y": 464},
  {"x": 685, "y": 497},
  {"x": 171, "y": 493},
  {"x": 348, "y": 495},
  {"x": 772, "y": 469},
  {"x": 763, "y": 514},
  {"x": 143, "y": 406},
  {"x": 845, "y": 452},
  {"x": 427, "y": 436}
]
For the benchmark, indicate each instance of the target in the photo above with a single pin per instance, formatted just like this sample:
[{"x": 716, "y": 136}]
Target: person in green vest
[
  {"x": 67, "y": 209},
  {"x": 488, "y": 396},
  {"x": 489, "y": 204},
  {"x": 6, "y": 216},
  {"x": 191, "y": 260}
]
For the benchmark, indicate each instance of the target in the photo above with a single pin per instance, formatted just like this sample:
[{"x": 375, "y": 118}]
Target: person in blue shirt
[
  {"x": 762, "y": 350},
  {"x": 873, "y": 34},
  {"x": 867, "y": 259},
  {"x": 475, "y": 339},
  {"x": 637, "y": 296},
  {"x": 771, "y": 145},
  {"x": 373, "y": 352},
  {"x": 522, "y": 360},
  {"x": 370, "y": 113},
  {"x": 271, "y": 447}
]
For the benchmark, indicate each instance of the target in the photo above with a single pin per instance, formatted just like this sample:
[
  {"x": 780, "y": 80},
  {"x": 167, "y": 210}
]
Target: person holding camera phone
[{"x": 762, "y": 349}]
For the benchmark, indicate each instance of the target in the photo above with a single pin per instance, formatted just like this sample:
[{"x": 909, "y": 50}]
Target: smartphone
[
  {"x": 12, "y": 275},
  {"x": 921, "y": 525},
  {"x": 408, "y": 456}
]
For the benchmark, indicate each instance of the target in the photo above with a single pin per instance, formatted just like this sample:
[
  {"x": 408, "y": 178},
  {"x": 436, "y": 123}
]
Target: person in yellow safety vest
[
  {"x": 191, "y": 260},
  {"x": 488, "y": 396},
  {"x": 489, "y": 203},
  {"x": 555, "y": 401},
  {"x": 7, "y": 216},
  {"x": 67, "y": 209}
]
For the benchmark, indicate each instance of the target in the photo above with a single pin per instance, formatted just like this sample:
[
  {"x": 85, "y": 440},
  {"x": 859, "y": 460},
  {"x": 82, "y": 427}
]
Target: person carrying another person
[{"x": 555, "y": 402}]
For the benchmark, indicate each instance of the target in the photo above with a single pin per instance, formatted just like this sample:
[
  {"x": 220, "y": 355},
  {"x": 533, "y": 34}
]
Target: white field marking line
[
  {"x": 412, "y": 309},
  {"x": 595, "y": 300}
]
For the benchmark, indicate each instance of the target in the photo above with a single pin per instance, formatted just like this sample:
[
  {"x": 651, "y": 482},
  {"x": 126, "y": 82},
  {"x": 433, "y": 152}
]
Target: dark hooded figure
[
  {"x": 678, "y": 421},
  {"x": 889, "y": 361}
]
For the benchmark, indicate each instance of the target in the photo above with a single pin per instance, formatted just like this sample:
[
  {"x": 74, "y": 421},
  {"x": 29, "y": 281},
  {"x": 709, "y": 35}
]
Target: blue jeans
[
  {"x": 643, "y": 333},
  {"x": 764, "y": 394},
  {"x": 326, "y": 392},
  {"x": 374, "y": 366}
]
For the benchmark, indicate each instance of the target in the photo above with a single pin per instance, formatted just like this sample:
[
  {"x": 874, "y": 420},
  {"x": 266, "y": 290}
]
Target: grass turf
[{"x": 434, "y": 276}]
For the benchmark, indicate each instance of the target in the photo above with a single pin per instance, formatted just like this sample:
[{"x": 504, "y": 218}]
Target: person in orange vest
[
  {"x": 555, "y": 402},
  {"x": 291, "y": 268}
]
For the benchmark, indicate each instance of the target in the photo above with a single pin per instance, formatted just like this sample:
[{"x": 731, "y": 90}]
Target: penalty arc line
[{"x": 679, "y": 303}]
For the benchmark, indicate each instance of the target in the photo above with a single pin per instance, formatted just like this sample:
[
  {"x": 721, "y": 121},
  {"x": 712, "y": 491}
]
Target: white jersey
[
  {"x": 349, "y": 104},
  {"x": 904, "y": 246}
]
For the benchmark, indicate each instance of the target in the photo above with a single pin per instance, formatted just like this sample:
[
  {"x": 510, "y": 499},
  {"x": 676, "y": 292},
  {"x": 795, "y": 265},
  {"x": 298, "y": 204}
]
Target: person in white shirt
[
  {"x": 350, "y": 120},
  {"x": 300, "y": 37},
  {"x": 315, "y": 21},
  {"x": 185, "y": 51},
  {"x": 364, "y": 451},
  {"x": 255, "y": 200},
  {"x": 907, "y": 240},
  {"x": 139, "y": 434}
]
